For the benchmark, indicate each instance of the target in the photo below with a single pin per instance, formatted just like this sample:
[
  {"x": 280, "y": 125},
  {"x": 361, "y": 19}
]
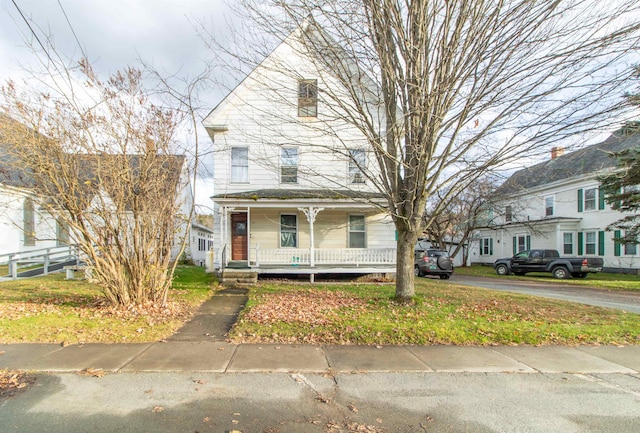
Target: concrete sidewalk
[
  {"x": 220, "y": 357},
  {"x": 199, "y": 346}
]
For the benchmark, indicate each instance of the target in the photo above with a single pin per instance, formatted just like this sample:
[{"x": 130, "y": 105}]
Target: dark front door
[{"x": 239, "y": 236}]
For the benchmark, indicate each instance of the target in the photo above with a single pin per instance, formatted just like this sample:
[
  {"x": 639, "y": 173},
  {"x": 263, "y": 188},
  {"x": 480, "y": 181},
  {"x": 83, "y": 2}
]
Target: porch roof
[
  {"x": 538, "y": 222},
  {"x": 301, "y": 197}
]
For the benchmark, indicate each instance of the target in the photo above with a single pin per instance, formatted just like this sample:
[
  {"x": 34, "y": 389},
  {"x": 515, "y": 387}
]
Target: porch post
[{"x": 311, "y": 213}]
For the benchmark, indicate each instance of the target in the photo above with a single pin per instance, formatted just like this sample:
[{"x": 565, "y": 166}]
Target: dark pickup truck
[{"x": 548, "y": 261}]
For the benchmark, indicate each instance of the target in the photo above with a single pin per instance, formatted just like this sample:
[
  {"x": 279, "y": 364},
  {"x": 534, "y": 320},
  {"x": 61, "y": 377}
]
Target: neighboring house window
[
  {"x": 521, "y": 243},
  {"x": 29, "y": 223},
  {"x": 590, "y": 243},
  {"x": 548, "y": 206},
  {"x": 630, "y": 249},
  {"x": 288, "y": 231},
  {"x": 567, "y": 240},
  {"x": 590, "y": 199},
  {"x": 307, "y": 98},
  {"x": 357, "y": 163},
  {"x": 289, "y": 165},
  {"x": 486, "y": 246},
  {"x": 508, "y": 214},
  {"x": 62, "y": 233},
  {"x": 357, "y": 235},
  {"x": 240, "y": 164}
]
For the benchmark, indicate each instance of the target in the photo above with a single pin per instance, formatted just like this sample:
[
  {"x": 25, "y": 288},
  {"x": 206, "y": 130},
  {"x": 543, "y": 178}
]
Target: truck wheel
[
  {"x": 502, "y": 270},
  {"x": 560, "y": 272}
]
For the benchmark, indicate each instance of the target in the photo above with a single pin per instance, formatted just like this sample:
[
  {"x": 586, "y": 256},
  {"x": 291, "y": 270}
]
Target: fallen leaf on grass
[
  {"x": 353, "y": 408},
  {"x": 157, "y": 409}
]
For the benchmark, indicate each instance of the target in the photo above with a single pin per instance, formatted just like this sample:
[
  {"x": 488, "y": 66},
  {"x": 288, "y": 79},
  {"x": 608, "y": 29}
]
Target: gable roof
[
  {"x": 88, "y": 167},
  {"x": 583, "y": 162}
]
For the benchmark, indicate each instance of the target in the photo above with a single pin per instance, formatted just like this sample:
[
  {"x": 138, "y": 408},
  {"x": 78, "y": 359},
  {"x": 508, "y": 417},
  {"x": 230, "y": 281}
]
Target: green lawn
[
  {"x": 53, "y": 310},
  {"x": 444, "y": 313},
  {"x": 601, "y": 280}
]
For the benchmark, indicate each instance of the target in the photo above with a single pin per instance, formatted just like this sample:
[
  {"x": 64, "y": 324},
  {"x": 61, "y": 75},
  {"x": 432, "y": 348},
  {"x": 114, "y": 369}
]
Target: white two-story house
[
  {"x": 292, "y": 177},
  {"x": 557, "y": 204}
]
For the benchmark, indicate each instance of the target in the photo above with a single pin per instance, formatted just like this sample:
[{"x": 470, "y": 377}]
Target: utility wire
[
  {"x": 72, "y": 30},
  {"x": 35, "y": 35}
]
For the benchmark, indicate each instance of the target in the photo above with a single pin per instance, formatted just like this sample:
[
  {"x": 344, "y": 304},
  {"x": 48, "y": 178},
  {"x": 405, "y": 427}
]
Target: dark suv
[{"x": 433, "y": 262}]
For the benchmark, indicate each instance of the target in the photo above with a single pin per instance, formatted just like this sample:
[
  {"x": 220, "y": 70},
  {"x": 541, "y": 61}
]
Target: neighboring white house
[
  {"x": 291, "y": 177},
  {"x": 200, "y": 241},
  {"x": 557, "y": 204},
  {"x": 26, "y": 227}
]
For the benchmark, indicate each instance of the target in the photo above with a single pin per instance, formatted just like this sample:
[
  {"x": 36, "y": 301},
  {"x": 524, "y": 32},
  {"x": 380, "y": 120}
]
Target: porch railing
[
  {"x": 40, "y": 261},
  {"x": 330, "y": 256}
]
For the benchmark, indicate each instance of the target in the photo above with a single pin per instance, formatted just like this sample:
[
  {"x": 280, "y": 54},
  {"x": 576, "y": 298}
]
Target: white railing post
[
  {"x": 13, "y": 266},
  {"x": 257, "y": 255},
  {"x": 46, "y": 261}
]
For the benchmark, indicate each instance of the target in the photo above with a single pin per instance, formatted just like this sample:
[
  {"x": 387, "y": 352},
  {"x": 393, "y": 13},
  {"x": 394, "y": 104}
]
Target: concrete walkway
[{"x": 199, "y": 346}]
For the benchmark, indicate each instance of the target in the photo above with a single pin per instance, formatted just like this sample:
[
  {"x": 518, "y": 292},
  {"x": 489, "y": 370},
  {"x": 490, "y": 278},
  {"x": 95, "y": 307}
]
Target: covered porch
[{"x": 306, "y": 234}]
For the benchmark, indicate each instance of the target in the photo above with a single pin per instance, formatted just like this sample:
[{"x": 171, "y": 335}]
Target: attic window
[{"x": 307, "y": 98}]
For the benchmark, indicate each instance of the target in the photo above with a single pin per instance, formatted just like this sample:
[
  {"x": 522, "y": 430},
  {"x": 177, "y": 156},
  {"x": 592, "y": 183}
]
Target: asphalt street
[
  {"x": 620, "y": 300},
  {"x": 297, "y": 403}
]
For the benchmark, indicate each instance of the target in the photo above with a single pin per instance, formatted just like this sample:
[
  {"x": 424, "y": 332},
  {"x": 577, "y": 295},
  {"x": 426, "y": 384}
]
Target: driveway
[{"x": 617, "y": 299}]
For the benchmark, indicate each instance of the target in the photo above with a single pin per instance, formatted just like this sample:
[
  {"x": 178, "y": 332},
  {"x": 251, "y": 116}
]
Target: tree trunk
[{"x": 405, "y": 289}]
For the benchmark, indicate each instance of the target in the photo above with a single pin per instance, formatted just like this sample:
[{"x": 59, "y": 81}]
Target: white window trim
[
  {"x": 573, "y": 242},
  {"x": 364, "y": 231},
  {"x": 595, "y": 243},
  {"x": 595, "y": 199},
  {"x": 553, "y": 205},
  {"x": 297, "y": 165},
  {"x": 360, "y": 168},
  {"x": 231, "y": 165},
  {"x": 280, "y": 231}
]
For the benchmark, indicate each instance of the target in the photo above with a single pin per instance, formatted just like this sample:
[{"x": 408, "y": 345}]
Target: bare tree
[
  {"x": 101, "y": 159},
  {"x": 451, "y": 226},
  {"x": 444, "y": 91}
]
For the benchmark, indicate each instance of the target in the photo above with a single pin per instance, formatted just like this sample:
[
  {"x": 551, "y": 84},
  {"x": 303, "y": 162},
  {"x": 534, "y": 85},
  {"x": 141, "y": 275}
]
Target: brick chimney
[{"x": 556, "y": 152}]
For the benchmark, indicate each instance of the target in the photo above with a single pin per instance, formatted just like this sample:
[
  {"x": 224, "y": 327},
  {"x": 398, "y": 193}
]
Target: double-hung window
[
  {"x": 549, "y": 205},
  {"x": 307, "y": 98},
  {"x": 357, "y": 164},
  {"x": 590, "y": 196},
  {"x": 590, "y": 243},
  {"x": 357, "y": 233},
  {"x": 486, "y": 246},
  {"x": 508, "y": 214},
  {"x": 567, "y": 243},
  {"x": 288, "y": 231},
  {"x": 289, "y": 165},
  {"x": 239, "y": 164}
]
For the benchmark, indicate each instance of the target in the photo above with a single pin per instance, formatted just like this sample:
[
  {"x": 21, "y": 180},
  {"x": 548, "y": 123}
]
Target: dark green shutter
[
  {"x": 515, "y": 245},
  {"x": 616, "y": 244},
  {"x": 601, "y": 243},
  {"x": 490, "y": 246},
  {"x": 580, "y": 199},
  {"x": 580, "y": 243},
  {"x": 601, "y": 199},
  {"x": 527, "y": 242}
]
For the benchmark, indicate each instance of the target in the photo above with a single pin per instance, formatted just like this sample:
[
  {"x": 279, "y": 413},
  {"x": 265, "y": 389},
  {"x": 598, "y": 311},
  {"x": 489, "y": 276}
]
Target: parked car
[
  {"x": 433, "y": 262},
  {"x": 548, "y": 261}
]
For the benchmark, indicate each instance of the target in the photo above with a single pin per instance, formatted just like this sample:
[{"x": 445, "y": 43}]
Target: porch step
[{"x": 239, "y": 277}]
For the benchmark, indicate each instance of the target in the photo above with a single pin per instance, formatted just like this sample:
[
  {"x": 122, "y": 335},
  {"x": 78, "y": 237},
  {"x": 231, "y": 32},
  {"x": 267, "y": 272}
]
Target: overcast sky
[{"x": 114, "y": 34}]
